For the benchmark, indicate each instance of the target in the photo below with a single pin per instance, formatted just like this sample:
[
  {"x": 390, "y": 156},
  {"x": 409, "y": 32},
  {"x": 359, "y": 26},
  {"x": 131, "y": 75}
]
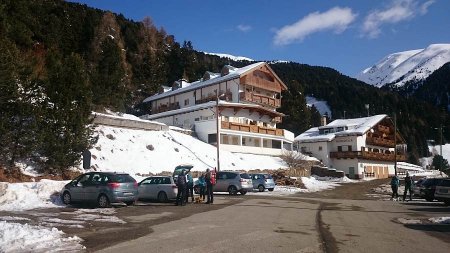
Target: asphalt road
[{"x": 341, "y": 220}]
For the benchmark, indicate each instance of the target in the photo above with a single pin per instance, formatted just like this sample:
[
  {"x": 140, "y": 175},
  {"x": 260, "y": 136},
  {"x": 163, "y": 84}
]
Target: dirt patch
[{"x": 16, "y": 176}]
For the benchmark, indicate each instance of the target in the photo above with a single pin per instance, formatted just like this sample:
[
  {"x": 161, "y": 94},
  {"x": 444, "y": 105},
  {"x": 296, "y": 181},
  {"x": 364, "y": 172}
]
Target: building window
[
  {"x": 212, "y": 138},
  {"x": 186, "y": 101},
  {"x": 320, "y": 148},
  {"x": 349, "y": 148},
  {"x": 339, "y": 148}
]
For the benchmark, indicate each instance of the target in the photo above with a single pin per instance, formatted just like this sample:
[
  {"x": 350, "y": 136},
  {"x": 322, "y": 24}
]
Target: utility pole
[
  {"x": 395, "y": 144},
  {"x": 217, "y": 130}
]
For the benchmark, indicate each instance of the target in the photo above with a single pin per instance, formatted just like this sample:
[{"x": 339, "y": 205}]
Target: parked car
[
  {"x": 233, "y": 182},
  {"x": 416, "y": 188},
  {"x": 262, "y": 181},
  {"x": 442, "y": 192},
  {"x": 102, "y": 188},
  {"x": 428, "y": 188},
  {"x": 161, "y": 188}
]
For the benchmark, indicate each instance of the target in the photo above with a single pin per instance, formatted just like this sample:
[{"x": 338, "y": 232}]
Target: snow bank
[
  {"x": 138, "y": 151},
  {"x": 440, "y": 220},
  {"x": 25, "y": 196},
  {"x": 15, "y": 237},
  {"x": 315, "y": 184}
]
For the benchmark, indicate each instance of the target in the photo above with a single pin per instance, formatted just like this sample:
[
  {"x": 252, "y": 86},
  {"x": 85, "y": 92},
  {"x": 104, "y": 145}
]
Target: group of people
[
  {"x": 395, "y": 183},
  {"x": 185, "y": 184}
]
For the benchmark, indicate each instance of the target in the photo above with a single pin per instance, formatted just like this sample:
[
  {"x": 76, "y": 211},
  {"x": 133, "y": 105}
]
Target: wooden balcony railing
[
  {"x": 378, "y": 141},
  {"x": 251, "y": 128},
  {"x": 384, "y": 129},
  {"x": 260, "y": 99},
  {"x": 228, "y": 97},
  {"x": 165, "y": 108},
  {"x": 367, "y": 155},
  {"x": 260, "y": 83}
]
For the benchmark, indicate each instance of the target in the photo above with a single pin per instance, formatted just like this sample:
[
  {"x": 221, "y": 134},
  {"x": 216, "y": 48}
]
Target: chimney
[{"x": 323, "y": 120}]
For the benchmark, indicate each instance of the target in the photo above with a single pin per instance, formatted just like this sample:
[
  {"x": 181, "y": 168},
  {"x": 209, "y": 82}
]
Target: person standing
[
  {"x": 202, "y": 186},
  {"x": 181, "y": 183},
  {"x": 190, "y": 187},
  {"x": 408, "y": 187},
  {"x": 394, "y": 186},
  {"x": 209, "y": 187}
]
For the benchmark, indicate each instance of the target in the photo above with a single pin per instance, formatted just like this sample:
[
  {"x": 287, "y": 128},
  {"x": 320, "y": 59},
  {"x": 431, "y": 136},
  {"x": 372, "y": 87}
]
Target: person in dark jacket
[
  {"x": 181, "y": 183},
  {"x": 408, "y": 187},
  {"x": 209, "y": 187},
  {"x": 190, "y": 187},
  {"x": 395, "y": 182}
]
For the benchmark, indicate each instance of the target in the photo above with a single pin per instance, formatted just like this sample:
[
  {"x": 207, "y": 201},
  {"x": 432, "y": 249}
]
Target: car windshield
[
  {"x": 245, "y": 176},
  {"x": 267, "y": 176},
  {"x": 123, "y": 178}
]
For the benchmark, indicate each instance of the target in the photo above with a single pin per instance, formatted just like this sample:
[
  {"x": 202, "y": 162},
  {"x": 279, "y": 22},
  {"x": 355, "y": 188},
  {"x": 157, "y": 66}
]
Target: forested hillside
[
  {"x": 435, "y": 89},
  {"x": 59, "y": 61}
]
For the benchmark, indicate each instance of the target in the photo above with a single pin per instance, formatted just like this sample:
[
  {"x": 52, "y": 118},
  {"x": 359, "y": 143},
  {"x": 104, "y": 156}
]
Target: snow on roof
[
  {"x": 358, "y": 126},
  {"x": 196, "y": 85},
  {"x": 408, "y": 166}
]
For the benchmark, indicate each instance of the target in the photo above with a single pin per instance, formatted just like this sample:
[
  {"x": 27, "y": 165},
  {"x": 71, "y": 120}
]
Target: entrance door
[{"x": 351, "y": 172}]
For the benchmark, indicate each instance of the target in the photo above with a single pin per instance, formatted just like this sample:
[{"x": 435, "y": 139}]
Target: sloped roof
[
  {"x": 196, "y": 85},
  {"x": 356, "y": 127}
]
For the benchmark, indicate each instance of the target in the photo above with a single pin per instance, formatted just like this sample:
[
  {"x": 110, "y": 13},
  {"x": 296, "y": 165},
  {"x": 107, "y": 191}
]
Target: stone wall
[
  {"x": 101, "y": 119},
  {"x": 326, "y": 172}
]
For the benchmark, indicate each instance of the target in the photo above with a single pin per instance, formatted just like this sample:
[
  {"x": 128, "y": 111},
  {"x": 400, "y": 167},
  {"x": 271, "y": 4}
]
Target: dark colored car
[
  {"x": 442, "y": 192},
  {"x": 101, "y": 188},
  {"x": 428, "y": 187}
]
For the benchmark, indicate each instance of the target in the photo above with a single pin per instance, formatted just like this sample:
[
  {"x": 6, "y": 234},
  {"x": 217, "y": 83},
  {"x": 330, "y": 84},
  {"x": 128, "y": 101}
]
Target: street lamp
[{"x": 218, "y": 128}]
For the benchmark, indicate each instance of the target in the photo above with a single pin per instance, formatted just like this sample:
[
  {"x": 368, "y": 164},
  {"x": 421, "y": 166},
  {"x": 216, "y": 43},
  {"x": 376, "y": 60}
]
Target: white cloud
[
  {"x": 244, "y": 28},
  {"x": 336, "y": 19},
  {"x": 396, "y": 11}
]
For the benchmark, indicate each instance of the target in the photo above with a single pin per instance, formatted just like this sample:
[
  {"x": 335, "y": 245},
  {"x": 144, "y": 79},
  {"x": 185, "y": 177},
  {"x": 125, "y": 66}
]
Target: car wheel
[
  {"x": 162, "y": 197},
  {"x": 66, "y": 198},
  {"x": 103, "y": 201},
  {"x": 260, "y": 188},
  {"x": 232, "y": 190},
  {"x": 270, "y": 189},
  {"x": 243, "y": 192},
  {"x": 130, "y": 203}
]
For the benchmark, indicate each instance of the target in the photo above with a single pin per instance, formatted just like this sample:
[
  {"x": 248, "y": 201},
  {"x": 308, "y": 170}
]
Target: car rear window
[
  {"x": 445, "y": 183},
  {"x": 267, "y": 176},
  {"x": 245, "y": 176},
  {"x": 123, "y": 178},
  {"x": 430, "y": 182}
]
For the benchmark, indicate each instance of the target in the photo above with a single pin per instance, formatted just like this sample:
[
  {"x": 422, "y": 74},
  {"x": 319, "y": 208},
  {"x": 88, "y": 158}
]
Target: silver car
[
  {"x": 442, "y": 192},
  {"x": 263, "y": 181},
  {"x": 161, "y": 188},
  {"x": 102, "y": 188},
  {"x": 233, "y": 182}
]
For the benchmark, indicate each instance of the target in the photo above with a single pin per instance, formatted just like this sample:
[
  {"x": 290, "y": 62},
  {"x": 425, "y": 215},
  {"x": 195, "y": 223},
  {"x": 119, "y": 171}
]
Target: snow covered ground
[
  {"x": 321, "y": 105},
  {"x": 144, "y": 152}
]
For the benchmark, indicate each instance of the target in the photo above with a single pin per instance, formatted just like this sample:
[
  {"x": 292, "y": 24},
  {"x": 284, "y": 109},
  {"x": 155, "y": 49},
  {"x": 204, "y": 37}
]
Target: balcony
[
  {"x": 378, "y": 141},
  {"x": 384, "y": 129},
  {"x": 165, "y": 108},
  {"x": 367, "y": 155},
  {"x": 228, "y": 97},
  {"x": 260, "y": 83},
  {"x": 251, "y": 128},
  {"x": 260, "y": 99}
]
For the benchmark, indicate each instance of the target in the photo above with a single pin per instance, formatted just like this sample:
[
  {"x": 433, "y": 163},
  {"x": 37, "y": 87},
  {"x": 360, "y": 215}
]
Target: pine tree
[
  {"x": 441, "y": 164},
  {"x": 67, "y": 113}
]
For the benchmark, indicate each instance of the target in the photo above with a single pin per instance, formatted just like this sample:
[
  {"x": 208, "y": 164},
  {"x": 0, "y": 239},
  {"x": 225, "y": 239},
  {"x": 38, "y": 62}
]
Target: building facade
[
  {"x": 239, "y": 103},
  {"x": 362, "y": 147}
]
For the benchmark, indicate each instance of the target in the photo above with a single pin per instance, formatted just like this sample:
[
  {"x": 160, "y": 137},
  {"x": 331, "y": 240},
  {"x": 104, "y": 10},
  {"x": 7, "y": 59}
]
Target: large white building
[
  {"x": 245, "y": 100},
  {"x": 360, "y": 147}
]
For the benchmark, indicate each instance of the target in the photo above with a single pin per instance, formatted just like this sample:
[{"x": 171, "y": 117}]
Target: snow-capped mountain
[
  {"x": 231, "y": 57},
  {"x": 399, "y": 68}
]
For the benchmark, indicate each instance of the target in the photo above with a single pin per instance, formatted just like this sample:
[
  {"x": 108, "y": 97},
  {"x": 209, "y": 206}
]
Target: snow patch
[
  {"x": 440, "y": 220},
  {"x": 231, "y": 57},
  {"x": 321, "y": 105},
  {"x": 15, "y": 237}
]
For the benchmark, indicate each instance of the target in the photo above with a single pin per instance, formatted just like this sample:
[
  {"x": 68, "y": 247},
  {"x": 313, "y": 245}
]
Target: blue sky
[{"x": 347, "y": 35}]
